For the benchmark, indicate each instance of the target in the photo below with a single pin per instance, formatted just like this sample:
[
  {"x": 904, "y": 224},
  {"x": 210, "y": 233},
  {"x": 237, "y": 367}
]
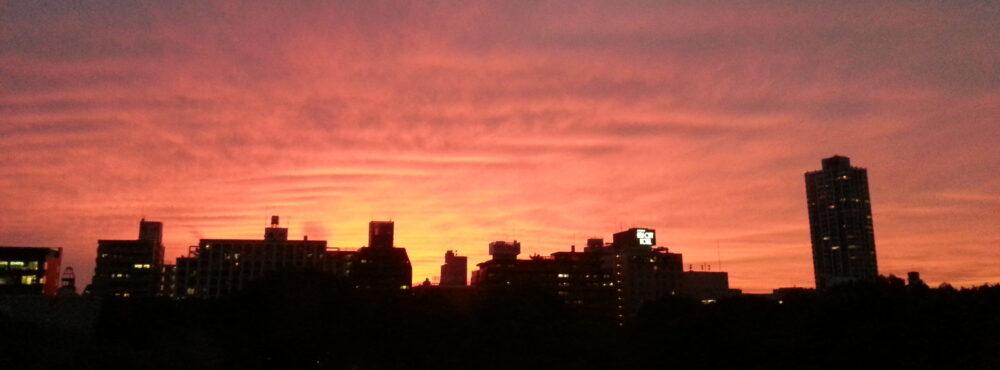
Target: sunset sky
[{"x": 468, "y": 122}]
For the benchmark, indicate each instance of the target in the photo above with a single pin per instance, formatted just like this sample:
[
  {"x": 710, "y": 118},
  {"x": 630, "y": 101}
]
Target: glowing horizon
[{"x": 469, "y": 122}]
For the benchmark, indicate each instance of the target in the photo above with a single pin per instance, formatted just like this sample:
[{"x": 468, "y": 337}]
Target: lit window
[
  {"x": 563, "y": 276},
  {"x": 28, "y": 279},
  {"x": 403, "y": 287}
]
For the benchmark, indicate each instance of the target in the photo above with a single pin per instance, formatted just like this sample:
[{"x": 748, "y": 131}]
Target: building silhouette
[
  {"x": 706, "y": 285},
  {"x": 579, "y": 279},
  {"x": 29, "y": 270},
  {"x": 219, "y": 267},
  {"x": 130, "y": 268},
  {"x": 453, "y": 271},
  {"x": 381, "y": 266},
  {"x": 613, "y": 279},
  {"x": 840, "y": 223},
  {"x": 642, "y": 271}
]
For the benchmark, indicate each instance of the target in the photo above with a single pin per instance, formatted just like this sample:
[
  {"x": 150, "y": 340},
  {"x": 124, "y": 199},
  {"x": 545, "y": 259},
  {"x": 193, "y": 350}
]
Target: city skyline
[{"x": 544, "y": 122}]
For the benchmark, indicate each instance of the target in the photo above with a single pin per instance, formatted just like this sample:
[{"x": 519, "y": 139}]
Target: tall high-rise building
[{"x": 840, "y": 221}]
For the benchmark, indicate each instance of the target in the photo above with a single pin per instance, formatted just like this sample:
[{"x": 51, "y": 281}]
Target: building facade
[
  {"x": 614, "y": 279},
  {"x": 130, "y": 268},
  {"x": 840, "y": 223},
  {"x": 29, "y": 270},
  {"x": 454, "y": 270},
  {"x": 579, "y": 279},
  {"x": 643, "y": 271},
  {"x": 706, "y": 285},
  {"x": 219, "y": 267},
  {"x": 381, "y": 266}
]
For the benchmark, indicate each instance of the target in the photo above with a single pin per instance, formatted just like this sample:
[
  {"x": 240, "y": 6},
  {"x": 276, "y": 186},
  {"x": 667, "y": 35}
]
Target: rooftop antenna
[{"x": 718, "y": 253}]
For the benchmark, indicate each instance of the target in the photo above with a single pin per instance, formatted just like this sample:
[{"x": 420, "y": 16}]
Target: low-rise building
[
  {"x": 29, "y": 270},
  {"x": 218, "y": 267},
  {"x": 130, "y": 268}
]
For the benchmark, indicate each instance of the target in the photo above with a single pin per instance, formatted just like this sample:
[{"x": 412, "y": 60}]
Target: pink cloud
[{"x": 468, "y": 122}]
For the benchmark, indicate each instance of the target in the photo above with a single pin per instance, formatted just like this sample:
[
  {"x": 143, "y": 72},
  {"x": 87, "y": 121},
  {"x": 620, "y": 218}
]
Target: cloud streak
[{"x": 466, "y": 122}]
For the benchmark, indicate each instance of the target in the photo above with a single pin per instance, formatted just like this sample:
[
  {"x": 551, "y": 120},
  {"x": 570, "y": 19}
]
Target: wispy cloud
[{"x": 471, "y": 121}]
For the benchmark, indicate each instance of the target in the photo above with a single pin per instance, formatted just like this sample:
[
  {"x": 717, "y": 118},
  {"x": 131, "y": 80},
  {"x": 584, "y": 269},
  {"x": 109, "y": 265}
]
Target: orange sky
[{"x": 467, "y": 122}]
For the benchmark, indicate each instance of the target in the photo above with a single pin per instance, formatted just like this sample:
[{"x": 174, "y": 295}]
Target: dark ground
[{"x": 325, "y": 324}]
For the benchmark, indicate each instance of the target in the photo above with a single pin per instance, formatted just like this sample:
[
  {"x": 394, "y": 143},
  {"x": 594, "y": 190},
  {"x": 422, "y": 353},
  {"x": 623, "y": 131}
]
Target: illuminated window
[
  {"x": 403, "y": 287},
  {"x": 3, "y": 265},
  {"x": 28, "y": 279},
  {"x": 16, "y": 265},
  {"x": 563, "y": 276}
]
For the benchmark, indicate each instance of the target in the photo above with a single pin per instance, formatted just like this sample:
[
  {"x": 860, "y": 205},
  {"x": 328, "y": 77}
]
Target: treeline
[{"x": 312, "y": 321}]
